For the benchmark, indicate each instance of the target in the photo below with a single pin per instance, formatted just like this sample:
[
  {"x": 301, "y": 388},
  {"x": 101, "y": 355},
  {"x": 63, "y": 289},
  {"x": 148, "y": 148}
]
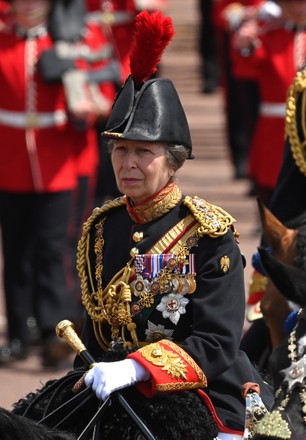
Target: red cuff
[{"x": 171, "y": 368}]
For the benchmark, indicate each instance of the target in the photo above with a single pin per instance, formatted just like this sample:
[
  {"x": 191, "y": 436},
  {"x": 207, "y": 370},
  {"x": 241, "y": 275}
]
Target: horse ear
[
  {"x": 274, "y": 231},
  {"x": 289, "y": 280}
]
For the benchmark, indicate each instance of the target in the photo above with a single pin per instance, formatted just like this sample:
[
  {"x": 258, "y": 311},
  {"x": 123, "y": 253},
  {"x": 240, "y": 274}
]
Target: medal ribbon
[
  {"x": 152, "y": 264},
  {"x": 149, "y": 265},
  {"x": 190, "y": 267},
  {"x": 139, "y": 264}
]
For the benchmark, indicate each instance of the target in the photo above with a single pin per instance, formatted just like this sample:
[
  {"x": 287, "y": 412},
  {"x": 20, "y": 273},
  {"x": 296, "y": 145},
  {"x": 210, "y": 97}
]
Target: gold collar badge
[{"x": 225, "y": 263}]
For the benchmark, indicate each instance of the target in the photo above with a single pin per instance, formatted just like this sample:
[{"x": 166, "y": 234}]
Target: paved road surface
[{"x": 209, "y": 175}]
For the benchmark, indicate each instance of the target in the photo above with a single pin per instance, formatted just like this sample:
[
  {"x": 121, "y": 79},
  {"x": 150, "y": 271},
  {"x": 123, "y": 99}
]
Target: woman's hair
[{"x": 176, "y": 155}]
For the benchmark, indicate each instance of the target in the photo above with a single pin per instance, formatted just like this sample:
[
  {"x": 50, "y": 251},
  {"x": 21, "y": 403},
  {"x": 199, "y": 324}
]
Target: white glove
[{"x": 106, "y": 377}]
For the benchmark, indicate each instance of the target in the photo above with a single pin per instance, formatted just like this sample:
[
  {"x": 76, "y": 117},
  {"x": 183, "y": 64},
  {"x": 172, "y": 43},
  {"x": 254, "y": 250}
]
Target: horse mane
[{"x": 15, "y": 427}]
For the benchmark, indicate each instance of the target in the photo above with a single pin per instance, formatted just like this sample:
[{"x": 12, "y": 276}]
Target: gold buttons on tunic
[
  {"x": 137, "y": 236},
  {"x": 134, "y": 252}
]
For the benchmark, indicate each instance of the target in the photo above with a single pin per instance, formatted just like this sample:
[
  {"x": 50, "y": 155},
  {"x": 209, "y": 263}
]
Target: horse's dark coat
[{"x": 177, "y": 416}]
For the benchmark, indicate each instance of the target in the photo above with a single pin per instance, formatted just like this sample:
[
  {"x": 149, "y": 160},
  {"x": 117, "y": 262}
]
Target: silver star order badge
[
  {"x": 173, "y": 306},
  {"x": 296, "y": 373},
  {"x": 157, "y": 332},
  {"x": 139, "y": 285}
]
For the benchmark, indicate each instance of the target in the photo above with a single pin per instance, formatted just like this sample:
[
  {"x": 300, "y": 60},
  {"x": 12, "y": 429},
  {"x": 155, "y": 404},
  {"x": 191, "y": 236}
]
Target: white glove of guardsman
[{"x": 106, "y": 377}]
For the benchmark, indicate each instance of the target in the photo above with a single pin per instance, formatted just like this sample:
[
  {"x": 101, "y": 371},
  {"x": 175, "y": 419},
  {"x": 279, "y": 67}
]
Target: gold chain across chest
[{"x": 113, "y": 303}]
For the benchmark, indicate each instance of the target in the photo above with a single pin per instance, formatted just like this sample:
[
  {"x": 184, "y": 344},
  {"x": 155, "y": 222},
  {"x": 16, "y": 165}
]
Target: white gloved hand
[{"x": 106, "y": 377}]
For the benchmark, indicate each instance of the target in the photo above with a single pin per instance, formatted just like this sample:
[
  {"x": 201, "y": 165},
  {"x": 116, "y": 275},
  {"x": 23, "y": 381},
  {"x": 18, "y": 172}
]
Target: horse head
[
  {"x": 287, "y": 419},
  {"x": 287, "y": 244}
]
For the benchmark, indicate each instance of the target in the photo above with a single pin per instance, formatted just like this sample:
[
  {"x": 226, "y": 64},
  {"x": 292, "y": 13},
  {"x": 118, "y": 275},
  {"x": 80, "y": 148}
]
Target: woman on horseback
[
  {"x": 161, "y": 272},
  {"x": 162, "y": 277}
]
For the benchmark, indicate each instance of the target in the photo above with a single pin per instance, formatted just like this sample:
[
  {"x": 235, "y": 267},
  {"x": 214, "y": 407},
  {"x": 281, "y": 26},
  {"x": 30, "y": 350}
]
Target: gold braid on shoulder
[
  {"x": 212, "y": 220},
  {"x": 298, "y": 147},
  {"x": 112, "y": 303}
]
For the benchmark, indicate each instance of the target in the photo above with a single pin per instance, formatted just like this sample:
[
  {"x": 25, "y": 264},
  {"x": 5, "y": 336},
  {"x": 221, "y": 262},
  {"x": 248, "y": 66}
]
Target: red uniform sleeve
[{"x": 171, "y": 368}]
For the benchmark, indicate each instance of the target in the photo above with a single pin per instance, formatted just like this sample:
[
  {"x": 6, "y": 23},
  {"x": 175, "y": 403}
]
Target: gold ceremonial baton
[{"x": 65, "y": 329}]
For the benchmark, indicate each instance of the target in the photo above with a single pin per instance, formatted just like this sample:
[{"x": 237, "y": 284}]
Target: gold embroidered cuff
[{"x": 171, "y": 368}]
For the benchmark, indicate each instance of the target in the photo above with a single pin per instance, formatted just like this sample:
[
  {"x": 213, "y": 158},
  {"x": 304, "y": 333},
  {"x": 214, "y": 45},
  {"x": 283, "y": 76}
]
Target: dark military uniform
[
  {"x": 195, "y": 313},
  {"x": 288, "y": 204},
  {"x": 288, "y": 201}
]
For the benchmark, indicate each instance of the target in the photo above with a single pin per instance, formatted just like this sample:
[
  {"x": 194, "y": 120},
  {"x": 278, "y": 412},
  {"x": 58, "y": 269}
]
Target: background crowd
[{"x": 61, "y": 66}]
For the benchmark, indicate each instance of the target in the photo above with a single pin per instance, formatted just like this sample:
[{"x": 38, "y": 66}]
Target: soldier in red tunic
[
  {"x": 274, "y": 55},
  {"x": 240, "y": 93},
  {"x": 41, "y": 144}
]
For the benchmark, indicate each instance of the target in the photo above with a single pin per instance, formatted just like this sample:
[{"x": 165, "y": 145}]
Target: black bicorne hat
[{"x": 148, "y": 110}]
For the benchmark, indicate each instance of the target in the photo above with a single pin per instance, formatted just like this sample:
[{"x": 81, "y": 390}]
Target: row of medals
[{"x": 169, "y": 280}]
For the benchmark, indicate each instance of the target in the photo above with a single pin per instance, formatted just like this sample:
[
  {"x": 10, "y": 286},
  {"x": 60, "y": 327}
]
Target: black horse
[
  {"x": 287, "y": 419},
  {"x": 57, "y": 412},
  {"x": 14, "y": 427}
]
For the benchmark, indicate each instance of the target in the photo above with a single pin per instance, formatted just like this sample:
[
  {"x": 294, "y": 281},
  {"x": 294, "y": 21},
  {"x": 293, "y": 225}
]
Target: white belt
[
  {"x": 224, "y": 436},
  {"x": 32, "y": 120},
  {"x": 270, "y": 109}
]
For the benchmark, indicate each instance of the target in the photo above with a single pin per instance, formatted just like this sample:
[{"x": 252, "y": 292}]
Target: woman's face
[
  {"x": 141, "y": 168},
  {"x": 30, "y": 13}
]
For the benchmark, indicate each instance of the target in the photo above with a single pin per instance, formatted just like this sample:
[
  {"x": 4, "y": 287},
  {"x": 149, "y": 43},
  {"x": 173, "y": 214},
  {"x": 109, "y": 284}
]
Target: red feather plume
[{"x": 153, "y": 32}]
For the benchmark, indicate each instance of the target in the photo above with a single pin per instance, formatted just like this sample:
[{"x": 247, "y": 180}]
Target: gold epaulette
[
  {"x": 298, "y": 146},
  {"x": 213, "y": 220},
  {"x": 101, "y": 210}
]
